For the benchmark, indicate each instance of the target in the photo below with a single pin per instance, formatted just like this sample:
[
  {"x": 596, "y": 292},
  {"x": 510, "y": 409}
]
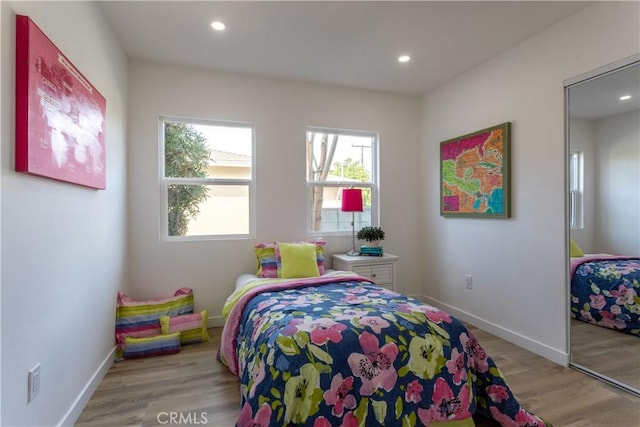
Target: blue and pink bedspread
[
  {"x": 604, "y": 291},
  {"x": 341, "y": 351}
]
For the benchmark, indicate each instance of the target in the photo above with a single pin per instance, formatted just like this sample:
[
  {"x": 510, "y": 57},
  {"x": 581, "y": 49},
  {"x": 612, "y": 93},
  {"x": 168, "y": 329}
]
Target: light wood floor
[
  {"x": 613, "y": 353},
  {"x": 144, "y": 392}
]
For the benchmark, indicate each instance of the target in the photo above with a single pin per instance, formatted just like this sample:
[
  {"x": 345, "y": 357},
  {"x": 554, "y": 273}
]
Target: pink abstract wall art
[{"x": 60, "y": 116}]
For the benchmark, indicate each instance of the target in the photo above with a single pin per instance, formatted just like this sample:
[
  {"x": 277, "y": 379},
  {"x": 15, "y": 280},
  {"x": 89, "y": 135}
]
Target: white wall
[
  {"x": 63, "y": 246},
  {"x": 280, "y": 111},
  {"x": 582, "y": 138},
  {"x": 617, "y": 218},
  {"x": 2, "y": 127},
  {"x": 518, "y": 264}
]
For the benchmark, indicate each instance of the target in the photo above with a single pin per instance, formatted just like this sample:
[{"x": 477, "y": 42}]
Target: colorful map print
[{"x": 472, "y": 173}]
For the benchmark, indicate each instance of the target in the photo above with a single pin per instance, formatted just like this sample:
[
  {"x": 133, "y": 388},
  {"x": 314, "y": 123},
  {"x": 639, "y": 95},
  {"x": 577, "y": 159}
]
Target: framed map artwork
[
  {"x": 60, "y": 116},
  {"x": 474, "y": 174}
]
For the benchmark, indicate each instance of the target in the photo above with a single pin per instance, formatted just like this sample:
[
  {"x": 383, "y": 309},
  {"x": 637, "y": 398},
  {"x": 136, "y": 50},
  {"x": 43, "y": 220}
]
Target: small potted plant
[{"x": 372, "y": 235}]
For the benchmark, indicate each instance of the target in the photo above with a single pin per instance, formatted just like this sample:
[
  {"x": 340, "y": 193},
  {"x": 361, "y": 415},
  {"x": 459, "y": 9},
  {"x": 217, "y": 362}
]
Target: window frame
[
  {"x": 165, "y": 182},
  {"x": 576, "y": 190},
  {"x": 373, "y": 185}
]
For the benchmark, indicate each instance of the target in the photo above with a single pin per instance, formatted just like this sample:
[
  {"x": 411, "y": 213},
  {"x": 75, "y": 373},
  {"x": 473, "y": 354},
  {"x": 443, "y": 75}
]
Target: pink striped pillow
[
  {"x": 265, "y": 253},
  {"x": 192, "y": 327}
]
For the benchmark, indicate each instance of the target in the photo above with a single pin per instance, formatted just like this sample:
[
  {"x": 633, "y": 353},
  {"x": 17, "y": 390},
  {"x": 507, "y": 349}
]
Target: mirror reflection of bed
[{"x": 604, "y": 221}]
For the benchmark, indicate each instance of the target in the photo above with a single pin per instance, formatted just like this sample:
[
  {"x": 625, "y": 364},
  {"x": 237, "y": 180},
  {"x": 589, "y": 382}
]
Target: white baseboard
[
  {"x": 553, "y": 354},
  {"x": 215, "y": 321},
  {"x": 81, "y": 401}
]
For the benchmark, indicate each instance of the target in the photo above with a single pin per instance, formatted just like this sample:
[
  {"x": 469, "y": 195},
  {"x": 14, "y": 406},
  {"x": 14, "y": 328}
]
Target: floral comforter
[
  {"x": 604, "y": 291},
  {"x": 341, "y": 351}
]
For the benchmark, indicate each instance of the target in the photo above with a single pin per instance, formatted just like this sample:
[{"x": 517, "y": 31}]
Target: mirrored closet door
[{"x": 603, "y": 142}]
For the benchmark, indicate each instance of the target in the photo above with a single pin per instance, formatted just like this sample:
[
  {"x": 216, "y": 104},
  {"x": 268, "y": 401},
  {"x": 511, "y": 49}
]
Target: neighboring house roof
[{"x": 225, "y": 158}]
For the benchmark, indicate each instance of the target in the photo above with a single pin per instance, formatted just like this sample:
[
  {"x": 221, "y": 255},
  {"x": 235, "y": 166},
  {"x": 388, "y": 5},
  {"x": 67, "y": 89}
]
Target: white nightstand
[{"x": 380, "y": 269}]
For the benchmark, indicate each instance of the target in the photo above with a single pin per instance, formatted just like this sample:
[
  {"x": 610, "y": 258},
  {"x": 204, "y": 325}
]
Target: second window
[{"x": 338, "y": 159}]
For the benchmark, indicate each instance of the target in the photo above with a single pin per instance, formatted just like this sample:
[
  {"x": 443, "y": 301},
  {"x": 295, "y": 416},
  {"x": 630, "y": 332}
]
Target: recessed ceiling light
[
  {"x": 404, "y": 58},
  {"x": 625, "y": 97},
  {"x": 218, "y": 26}
]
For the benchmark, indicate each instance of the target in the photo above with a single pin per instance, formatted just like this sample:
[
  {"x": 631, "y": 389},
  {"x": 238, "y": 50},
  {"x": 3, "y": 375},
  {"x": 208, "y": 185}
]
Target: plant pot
[{"x": 372, "y": 244}]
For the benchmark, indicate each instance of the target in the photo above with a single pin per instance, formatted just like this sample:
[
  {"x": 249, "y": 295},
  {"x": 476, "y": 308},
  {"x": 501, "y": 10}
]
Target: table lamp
[{"x": 352, "y": 202}]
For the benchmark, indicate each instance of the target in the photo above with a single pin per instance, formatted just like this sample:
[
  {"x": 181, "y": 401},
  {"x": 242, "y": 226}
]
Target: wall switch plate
[
  {"x": 34, "y": 383},
  {"x": 468, "y": 281}
]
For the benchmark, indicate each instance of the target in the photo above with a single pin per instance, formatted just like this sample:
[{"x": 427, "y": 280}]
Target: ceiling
[
  {"x": 599, "y": 97},
  {"x": 353, "y": 44}
]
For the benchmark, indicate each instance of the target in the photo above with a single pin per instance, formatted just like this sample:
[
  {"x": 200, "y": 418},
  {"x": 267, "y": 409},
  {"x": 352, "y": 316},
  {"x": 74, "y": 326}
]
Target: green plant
[{"x": 371, "y": 234}]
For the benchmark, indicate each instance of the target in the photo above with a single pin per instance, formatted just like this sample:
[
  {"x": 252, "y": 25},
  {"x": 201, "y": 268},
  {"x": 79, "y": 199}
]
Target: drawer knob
[{"x": 373, "y": 275}]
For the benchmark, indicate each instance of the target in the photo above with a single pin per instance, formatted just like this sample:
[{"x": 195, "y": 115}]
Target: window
[
  {"x": 576, "y": 179},
  {"x": 207, "y": 179},
  {"x": 338, "y": 159}
]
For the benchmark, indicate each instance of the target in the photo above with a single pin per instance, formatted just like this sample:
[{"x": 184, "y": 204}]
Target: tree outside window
[
  {"x": 207, "y": 179},
  {"x": 186, "y": 156}
]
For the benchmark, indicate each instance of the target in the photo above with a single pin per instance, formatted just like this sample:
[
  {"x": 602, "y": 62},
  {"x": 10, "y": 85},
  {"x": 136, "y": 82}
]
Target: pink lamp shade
[{"x": 351, "y": 200}]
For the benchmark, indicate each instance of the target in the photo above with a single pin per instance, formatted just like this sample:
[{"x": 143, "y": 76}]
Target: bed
[
  {"x": 604, "y": 291},
  {"x": 338, "y": 350}
]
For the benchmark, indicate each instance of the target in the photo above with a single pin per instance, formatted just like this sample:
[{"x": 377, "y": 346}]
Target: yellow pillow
[
  {"x": 297, "y": 260},
  {"x": 576, "y": 251}
]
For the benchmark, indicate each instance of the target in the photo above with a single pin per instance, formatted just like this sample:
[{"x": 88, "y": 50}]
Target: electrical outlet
[
  {"x": 468, "y": 281},
  {"x": 34, "y": 382}
]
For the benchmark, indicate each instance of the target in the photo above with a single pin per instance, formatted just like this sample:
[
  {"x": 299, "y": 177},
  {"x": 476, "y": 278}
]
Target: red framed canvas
[{"x": 60, "y": 116}]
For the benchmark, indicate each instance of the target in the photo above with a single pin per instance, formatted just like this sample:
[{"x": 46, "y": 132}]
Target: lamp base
[{"x": 353, "y": 253}]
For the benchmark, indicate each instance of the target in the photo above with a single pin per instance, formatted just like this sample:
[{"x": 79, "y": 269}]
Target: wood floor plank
[
  {"x": 613, "y": 353},
  {"x": 146, "y": 392}
]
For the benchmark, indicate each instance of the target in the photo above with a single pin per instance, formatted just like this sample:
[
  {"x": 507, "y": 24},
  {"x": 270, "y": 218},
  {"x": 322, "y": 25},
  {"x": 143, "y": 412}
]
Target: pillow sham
[
  {"x": 296, "y": 260},
  {"x": 192, "y": 327},
  {"x": 268, "y": 264},
  {"x": 265, "y": 253},
  {"x": 575, "y": 249}
]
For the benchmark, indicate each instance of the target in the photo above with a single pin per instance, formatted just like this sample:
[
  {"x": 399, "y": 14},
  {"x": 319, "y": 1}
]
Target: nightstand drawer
[
  {"x": 382, "y": 270},
  {"x": 382, "y": 274}
]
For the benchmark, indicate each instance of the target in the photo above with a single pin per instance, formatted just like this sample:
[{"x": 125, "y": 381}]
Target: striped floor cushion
[{"x": 141, "y": 319}]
